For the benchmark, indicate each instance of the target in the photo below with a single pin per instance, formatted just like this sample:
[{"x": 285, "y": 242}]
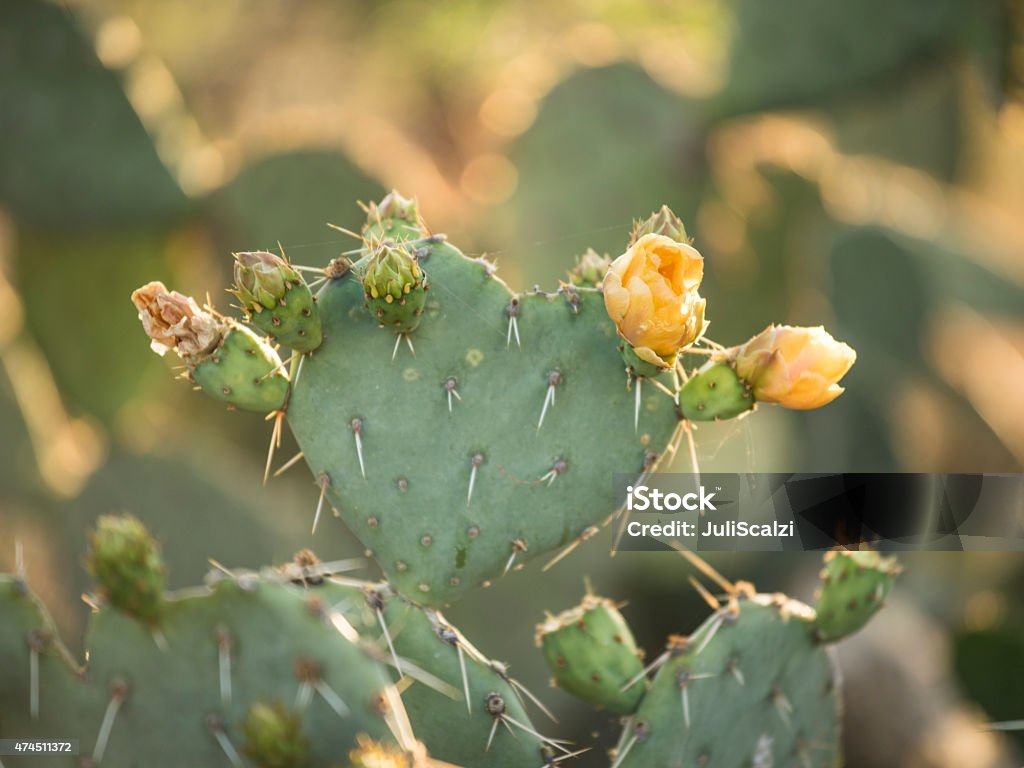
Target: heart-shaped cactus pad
[{"x": 440, "y": 461}]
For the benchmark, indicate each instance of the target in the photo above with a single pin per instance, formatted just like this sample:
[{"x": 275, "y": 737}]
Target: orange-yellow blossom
[
  {"x": 793, "y": 366},
  {"x": 650, "y": 293}
]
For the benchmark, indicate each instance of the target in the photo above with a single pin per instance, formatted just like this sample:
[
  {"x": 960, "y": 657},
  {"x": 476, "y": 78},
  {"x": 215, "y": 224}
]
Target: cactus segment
[
  {"x": 126, "y": 562},
  {"x": 854, "y": 586},
  {"x": 395, "y": 285},
  {"x": 182, "y": 699},
  {"x": 243, "y": 371},
  {"x": 715, "y": 392},
  {"x": 450, "y": 492},
  {"x": 591, "y": 653},
  {"x": 277, "y": 300},
  {"x": 753, "y": 687}
]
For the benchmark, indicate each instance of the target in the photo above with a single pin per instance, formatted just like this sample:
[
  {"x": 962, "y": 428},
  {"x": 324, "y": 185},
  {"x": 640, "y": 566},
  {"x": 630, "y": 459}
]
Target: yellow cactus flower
[
  {"x": 795, "y": 367},
  {"x": 650, "y": 293}
]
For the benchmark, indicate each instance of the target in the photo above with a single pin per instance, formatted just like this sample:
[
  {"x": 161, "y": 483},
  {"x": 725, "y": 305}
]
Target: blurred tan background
[{"x": 858, "y": 165}]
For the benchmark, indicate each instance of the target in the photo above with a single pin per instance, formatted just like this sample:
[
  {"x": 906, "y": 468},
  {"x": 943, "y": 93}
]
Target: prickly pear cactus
[
  {"x": 455, "y": 431},
  {"x": 189, "y": 683}
]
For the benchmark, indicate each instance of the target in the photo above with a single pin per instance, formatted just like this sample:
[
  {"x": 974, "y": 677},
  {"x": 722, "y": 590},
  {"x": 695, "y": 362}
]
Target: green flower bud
[
  {"x": 590, "y": 269},
  {"x": 395, "y": 218},
  {"x": 395, "y": 286},
  {"x": 277, "y": 300},
  {"x": 274, "y": 738},
  {"x": 262, "y": 279},
  {"x": 126, "y": 562},
  {"x": 663, "y": 222}
]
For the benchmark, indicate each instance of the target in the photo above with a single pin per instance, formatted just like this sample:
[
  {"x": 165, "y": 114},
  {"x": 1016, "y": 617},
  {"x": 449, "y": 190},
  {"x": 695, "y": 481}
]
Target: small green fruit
[
  {"x": 591, "y": 653},
  {"x": 714, "y": 392},
  {"x": 244, "y": 371},
  {"x": 853, "y": 587},
  {"x": 126, "y": 562}
]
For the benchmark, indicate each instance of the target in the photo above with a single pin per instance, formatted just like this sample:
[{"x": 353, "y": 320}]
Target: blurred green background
[{"x": 858, "y": 165}]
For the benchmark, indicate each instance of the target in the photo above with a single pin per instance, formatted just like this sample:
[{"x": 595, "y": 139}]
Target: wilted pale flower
[
  {"x": 795, "y": 367},
  {"x": 174, "y": 321},
  {"x": 650, "y": 293}
]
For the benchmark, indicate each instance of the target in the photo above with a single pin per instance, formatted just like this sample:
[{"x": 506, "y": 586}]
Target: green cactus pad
[
  {"x": 854, "y": 586},
  {"x": 424, "y": 640},
  {"x": 714, "y": 392},
  {"x": 590, "y": 269},
  {"x": 753, "y": 687},
  {"x": 243, "y": 371},
  {"x": 126, "y": 562},
  {"x": 266, "y": 638},
  {"x": 591, "y": 653},
  {"x": 468, "y": 406}
]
